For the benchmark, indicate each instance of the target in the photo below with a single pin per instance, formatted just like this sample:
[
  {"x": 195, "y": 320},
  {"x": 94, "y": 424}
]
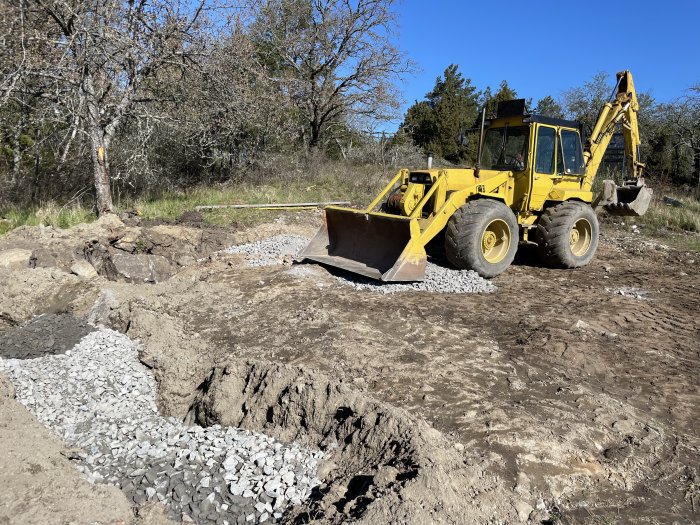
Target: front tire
[
  {"x": 567, "y": 235},
  {"x": 482, "y": 236}
]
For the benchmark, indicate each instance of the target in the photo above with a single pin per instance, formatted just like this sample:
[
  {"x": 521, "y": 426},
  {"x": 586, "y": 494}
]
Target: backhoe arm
[{"x": 621, "y": 110}]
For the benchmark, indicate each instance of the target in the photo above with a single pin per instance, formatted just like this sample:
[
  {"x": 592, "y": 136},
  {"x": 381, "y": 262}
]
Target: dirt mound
[{"x": 44, "y": 335}]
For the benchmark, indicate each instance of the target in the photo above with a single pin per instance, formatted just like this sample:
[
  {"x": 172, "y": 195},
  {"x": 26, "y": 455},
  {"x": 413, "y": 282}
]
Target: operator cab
[{"x": 512, "y": 136}]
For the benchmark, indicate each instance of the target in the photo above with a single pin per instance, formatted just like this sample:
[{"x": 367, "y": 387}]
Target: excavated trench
[
  {"x": 371, "y": 447},
  {"x": 251, "y": 425},
  {"x": 380, "y": 464}
]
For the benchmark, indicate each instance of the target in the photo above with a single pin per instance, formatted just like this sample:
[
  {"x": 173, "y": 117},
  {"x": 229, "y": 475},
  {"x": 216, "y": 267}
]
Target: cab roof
[{"x": 552, "y": 121}]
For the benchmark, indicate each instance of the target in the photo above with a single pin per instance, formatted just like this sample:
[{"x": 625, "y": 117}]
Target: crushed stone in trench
[
  {"x": 99, "y": 398},
  {"x": 438, "y": 278}
]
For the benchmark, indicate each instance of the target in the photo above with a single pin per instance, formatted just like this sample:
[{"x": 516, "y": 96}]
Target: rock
[
  {"x": 670, "y": 201},
  {"x": 236, "y": 489},
  {"x": 138, "y": 268},
  {"x": 15, "y": 258},
  {"x": 109, "y": 221},
  {"x": 186, "y": 260},
  {"x": 386, "y": 474},
  {"x": 230, "y": 463},
  {"x": 83, "y": 269},
  {"x": 272, "y": 485},
  {"x": 7, "y": 389},
  {"x": 581, "y": 325},
  {"x": 288, "y": 478},
  {"x": 523, "y": 509},
  {"x": 131, "y": 241}
]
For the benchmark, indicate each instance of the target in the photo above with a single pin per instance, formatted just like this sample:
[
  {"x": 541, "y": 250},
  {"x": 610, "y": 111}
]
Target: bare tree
[
  {"x": 685, "y": 117},
  {"x": 101, "y": 59},
  {"x": 583, "y": 103},
  {"x": 334, "y": 58}
]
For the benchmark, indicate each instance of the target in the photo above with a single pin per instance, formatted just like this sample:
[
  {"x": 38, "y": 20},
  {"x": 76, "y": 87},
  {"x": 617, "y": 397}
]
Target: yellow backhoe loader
[{"x": 532, "y": 183}]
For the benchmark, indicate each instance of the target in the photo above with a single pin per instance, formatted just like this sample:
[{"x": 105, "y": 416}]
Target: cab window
[
  {"x": 544, "y": 160},
  {"x": 506, "y": 148},
  {"x": 572, "y": 153}
]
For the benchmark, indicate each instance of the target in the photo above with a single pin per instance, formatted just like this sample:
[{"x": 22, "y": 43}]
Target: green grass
[
  {"x": 48, "y": 214},
  {"x": 675, "y": 226},
  {"x": 357, "y": 186},
  {"x": 679, "y": 227},
  {"x": 662, "y": 216}
]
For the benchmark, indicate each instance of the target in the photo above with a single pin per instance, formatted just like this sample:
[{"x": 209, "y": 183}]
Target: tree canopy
[{"x": 447, "y": 112}]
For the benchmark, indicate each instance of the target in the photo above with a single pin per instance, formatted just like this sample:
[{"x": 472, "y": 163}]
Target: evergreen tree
[
  {"x": 548, "y": 107},
  {"x": 448, "y": 111},
  {"x": 505, "y": 92}
]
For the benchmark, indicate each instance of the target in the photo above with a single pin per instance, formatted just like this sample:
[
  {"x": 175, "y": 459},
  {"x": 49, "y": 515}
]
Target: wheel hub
[
  {"x": 489, "y": 240},
  {"x": 580, "y": 237},
  {"x": 495, "y": 241}
]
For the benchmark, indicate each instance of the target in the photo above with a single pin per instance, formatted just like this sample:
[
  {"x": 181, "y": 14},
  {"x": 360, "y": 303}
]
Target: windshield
[{"x": 506, "y": 148}]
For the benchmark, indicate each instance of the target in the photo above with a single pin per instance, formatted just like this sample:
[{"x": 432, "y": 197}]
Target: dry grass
[
  {"x": 334, "y": 183},
  {"x": 679, "y": 226},
  {"x": 331, "y": 188},
  {"x": 663, "y": 216}
]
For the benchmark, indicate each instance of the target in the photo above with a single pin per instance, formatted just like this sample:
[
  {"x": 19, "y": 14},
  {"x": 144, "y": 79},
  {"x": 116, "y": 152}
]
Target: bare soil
[{"x": 555, "y": 399}]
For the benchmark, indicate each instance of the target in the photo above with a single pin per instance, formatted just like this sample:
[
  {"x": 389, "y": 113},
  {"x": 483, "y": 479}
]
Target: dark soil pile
[{"x": 46, "y": 334}]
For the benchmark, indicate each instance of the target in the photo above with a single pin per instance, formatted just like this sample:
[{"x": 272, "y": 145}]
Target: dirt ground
[{"x": 562, "y": 397}]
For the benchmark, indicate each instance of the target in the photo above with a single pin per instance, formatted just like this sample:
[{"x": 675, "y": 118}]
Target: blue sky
[{"x": 543, "y": 47}]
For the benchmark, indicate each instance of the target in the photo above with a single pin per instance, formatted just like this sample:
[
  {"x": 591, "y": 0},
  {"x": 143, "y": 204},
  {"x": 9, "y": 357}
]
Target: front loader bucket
[
  {"x": 626, "y": 200},
  {"x": 379, "y": 246}
]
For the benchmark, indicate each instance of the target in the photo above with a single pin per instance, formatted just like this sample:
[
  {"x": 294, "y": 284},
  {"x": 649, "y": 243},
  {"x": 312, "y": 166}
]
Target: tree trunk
[
  {"x": 100, "y": 164},
  {"x": 16, "y": 156},
  {"x": 315, "y": 140}
]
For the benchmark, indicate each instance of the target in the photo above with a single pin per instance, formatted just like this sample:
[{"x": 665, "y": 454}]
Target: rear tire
[
  {"x": 567, "y": 235},
  {"x": 482, "y": 236}
]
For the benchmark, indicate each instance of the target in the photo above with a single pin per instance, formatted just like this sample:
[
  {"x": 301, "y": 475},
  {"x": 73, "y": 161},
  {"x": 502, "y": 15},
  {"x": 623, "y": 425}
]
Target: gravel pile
[
  {"x": 438, "y": 279},
  {"x": 273, "y": 250},
  {"x": 100, "y": 399},
  {"x": 45, "y": 334}
]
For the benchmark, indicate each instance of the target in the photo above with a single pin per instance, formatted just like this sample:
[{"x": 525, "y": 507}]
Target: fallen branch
[{"x": 291, "y": 205}]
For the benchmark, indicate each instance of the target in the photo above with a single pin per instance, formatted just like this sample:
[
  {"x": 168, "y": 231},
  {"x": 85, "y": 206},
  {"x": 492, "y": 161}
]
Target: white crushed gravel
[
  {"x": 438, "y": 279},
  {"x": 100, "y": 399},
  {"x": 629, "y": 291},
  {"x": 270, "y": 251}
]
